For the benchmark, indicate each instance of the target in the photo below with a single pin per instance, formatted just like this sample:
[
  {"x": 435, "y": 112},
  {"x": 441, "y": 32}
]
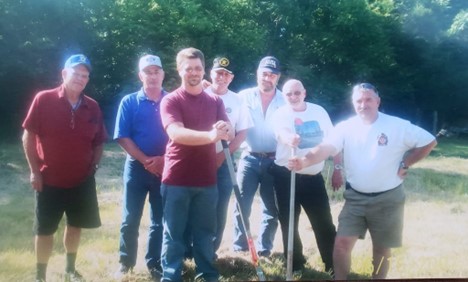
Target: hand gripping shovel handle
[
  {"x": 250, "y": 242},
  {"x": 292, "y": 196}
]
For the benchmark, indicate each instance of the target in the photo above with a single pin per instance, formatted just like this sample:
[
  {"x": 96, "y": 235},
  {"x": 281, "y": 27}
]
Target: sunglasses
[
  {"x": 296, "y": 93},
  {"x": 366, "y": 86}
]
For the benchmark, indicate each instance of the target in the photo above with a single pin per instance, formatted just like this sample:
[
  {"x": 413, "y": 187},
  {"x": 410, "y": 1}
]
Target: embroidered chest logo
[{"x": 382, "y": 140}]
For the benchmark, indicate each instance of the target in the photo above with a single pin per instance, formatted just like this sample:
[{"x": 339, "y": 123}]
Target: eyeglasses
[
  {"x": 295, "y": 93},
  {"x": 222, "y": 73}
]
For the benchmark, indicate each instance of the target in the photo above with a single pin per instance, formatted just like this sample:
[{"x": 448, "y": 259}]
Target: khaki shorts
[{"x": 381, "y": 214}]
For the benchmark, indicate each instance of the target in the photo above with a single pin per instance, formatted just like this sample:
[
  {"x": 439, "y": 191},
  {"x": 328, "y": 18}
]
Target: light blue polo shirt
[
  {"x": 261, "y": 137},
  {"x": 139, "y": 119}
]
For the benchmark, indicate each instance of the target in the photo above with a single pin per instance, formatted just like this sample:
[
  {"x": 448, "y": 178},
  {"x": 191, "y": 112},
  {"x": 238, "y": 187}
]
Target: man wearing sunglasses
[{"x": 378, "y": 150}]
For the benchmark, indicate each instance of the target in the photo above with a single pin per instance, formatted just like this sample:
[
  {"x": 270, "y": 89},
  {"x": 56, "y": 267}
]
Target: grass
[{"x": 435, "y": 240}]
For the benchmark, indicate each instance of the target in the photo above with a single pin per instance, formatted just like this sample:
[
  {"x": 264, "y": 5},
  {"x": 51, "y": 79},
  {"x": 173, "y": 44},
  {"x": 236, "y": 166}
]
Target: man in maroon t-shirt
[
  {"x": 194, "y": 122},
  {"x": 63, "y": 142}
]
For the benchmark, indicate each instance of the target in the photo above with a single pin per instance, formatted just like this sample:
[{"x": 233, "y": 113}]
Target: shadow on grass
[
  {"x": 451, "y": 147},
  {"x": 428, "y": 184},
  {"x": 274, "y": 268}
]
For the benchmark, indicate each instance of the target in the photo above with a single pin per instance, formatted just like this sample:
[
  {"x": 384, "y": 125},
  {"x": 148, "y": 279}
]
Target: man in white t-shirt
[
  {"x": 221, "y": 76},
  {"x": 302, "y": 125},
  {"x": 378, "y": 150}
]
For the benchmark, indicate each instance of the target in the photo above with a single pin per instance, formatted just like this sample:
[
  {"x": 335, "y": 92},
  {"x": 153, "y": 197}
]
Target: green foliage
[{"x": 415, "y": 51}]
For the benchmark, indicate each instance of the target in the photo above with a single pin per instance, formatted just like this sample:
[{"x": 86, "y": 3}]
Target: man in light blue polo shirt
[
  {"x": 139, "y": 131},
  {"x": 259, "y": 154}
]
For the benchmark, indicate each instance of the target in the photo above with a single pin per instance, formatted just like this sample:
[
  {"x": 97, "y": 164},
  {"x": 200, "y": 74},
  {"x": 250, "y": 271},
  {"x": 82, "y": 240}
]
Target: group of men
[{"x": 175, "y": 158}]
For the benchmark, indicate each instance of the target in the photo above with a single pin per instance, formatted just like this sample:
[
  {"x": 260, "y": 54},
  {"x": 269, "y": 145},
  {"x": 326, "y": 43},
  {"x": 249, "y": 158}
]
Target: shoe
[
  {"x": 73, "y": 276},
  {"x": 122, "y": 272},
  {"x": 155, "y": 272},
  {"x": 40, "y": 280},
  {"x": 297, "y": 274},
  {"x": 264, "y": 253},
  {"x": 330, "y": 271}
]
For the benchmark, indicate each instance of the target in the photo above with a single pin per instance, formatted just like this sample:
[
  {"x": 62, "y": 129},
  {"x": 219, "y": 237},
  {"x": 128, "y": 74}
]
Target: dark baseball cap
[
  {"x": 221, "y": 63},
  {"x": 270, "y": 64}
]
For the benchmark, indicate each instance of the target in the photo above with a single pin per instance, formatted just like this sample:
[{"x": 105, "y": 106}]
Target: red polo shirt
[{"x": 66, "y": 137}]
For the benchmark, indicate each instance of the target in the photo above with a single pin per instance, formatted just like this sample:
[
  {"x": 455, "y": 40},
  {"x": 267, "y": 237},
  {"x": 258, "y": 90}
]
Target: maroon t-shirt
[
  {"x": 66, "y": 138},
  {"x": 191, "y": 165}
]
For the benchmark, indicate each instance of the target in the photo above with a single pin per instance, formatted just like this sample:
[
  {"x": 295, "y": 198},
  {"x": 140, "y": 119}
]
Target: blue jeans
[
  {"x": 193, "y": 208},
  {"x": 252, "y": 174},
  {"x": 138, "y": 183},
  {"x": 224, "y": 195}
]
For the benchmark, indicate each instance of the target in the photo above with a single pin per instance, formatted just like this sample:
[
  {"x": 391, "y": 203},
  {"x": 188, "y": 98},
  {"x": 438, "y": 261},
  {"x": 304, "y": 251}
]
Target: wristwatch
[
  {"x": 338, "y": 166},
  {"x": 403, "y": 165}
]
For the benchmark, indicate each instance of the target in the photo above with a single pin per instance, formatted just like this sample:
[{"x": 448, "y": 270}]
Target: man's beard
[{"x": 194, "y": 81}]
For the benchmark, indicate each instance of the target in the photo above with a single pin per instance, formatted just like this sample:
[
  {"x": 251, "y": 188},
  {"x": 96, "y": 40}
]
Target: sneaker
[
  {"x": 264, "y": 253},
  {"x": 155, "y": 272},
  {"x": 122, "y": 272},
  {"x": 40, "y": 280},
  {"x": 73, "y": 276}
]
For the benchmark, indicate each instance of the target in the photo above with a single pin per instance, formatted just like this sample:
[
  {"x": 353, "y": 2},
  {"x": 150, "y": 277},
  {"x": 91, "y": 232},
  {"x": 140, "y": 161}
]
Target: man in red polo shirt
[{"x": 63, "y": 142}]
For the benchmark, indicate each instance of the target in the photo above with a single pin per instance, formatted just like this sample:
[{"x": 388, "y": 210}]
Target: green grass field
[{"x": 435, "y": 234}]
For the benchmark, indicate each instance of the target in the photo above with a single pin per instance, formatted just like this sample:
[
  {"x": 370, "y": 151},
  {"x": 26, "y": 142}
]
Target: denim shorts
[
  {"x": 382, "y": 214},
  {"x": 78, "y": 203}
]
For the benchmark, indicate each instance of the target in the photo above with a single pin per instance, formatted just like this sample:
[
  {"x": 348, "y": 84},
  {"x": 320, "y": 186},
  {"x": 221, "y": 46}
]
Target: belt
[
  {"x": 270, "y": 155},
  {"x": 372, "y": 194}
]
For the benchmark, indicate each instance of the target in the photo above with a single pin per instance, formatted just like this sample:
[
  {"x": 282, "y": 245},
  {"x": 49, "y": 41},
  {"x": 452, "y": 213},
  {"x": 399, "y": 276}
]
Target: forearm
[
  {"x": 417, "y": 154},
  {"x": 30, "y": 151},
  {"x": 318, "y": 154},
  {"x": 190, "y": 137},
  {"x": 237, "y": 141},
  {"x": 178, "y": 133},
  {"x": 132, "y": 149},
  {"x": 97, "y": 154}
]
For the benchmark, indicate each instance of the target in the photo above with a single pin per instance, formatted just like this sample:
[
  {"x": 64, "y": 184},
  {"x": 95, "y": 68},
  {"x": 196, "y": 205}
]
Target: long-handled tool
[
  {"x": 292, "y": 195},
  {"x": 250, "y": 242}
]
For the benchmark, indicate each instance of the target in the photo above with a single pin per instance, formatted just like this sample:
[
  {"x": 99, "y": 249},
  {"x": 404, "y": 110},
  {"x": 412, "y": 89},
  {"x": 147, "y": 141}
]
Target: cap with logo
[
  {"x": 221, "y": 63},
  {"x": 270, "y": 64},
  {"x": 78, "y": 59},
  {"x": 149, "y": 60}
]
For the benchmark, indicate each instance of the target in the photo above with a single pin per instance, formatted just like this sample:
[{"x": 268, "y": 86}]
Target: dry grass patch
[{"x": 435, "y": 234}]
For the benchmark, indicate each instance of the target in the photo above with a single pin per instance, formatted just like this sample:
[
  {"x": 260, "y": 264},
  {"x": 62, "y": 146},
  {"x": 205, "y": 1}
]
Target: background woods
[{"x": 414, "y": 51}]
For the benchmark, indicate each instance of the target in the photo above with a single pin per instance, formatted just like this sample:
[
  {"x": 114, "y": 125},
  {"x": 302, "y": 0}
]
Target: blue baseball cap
[{"x": 78, "y": 59}]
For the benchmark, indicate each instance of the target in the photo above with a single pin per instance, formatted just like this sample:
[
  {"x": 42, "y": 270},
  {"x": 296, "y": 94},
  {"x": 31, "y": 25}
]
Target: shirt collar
[
  {"x": 61, "y": 95},
  {"x": 142, "y": 96}
]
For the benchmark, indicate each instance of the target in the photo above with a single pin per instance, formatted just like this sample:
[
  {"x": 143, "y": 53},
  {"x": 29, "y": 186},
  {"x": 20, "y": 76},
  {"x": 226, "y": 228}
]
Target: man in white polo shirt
[{"x": 378, "y": 150}]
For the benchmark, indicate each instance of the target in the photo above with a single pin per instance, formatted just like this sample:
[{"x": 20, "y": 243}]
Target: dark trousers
[{"x": 311, "y": 194}]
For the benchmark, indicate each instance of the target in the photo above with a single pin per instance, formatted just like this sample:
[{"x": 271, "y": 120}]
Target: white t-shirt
[
  {"x": 372, "y": 152},
  {"x": 312, "y": 125},
  {"x": 236, "y": 111}
]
